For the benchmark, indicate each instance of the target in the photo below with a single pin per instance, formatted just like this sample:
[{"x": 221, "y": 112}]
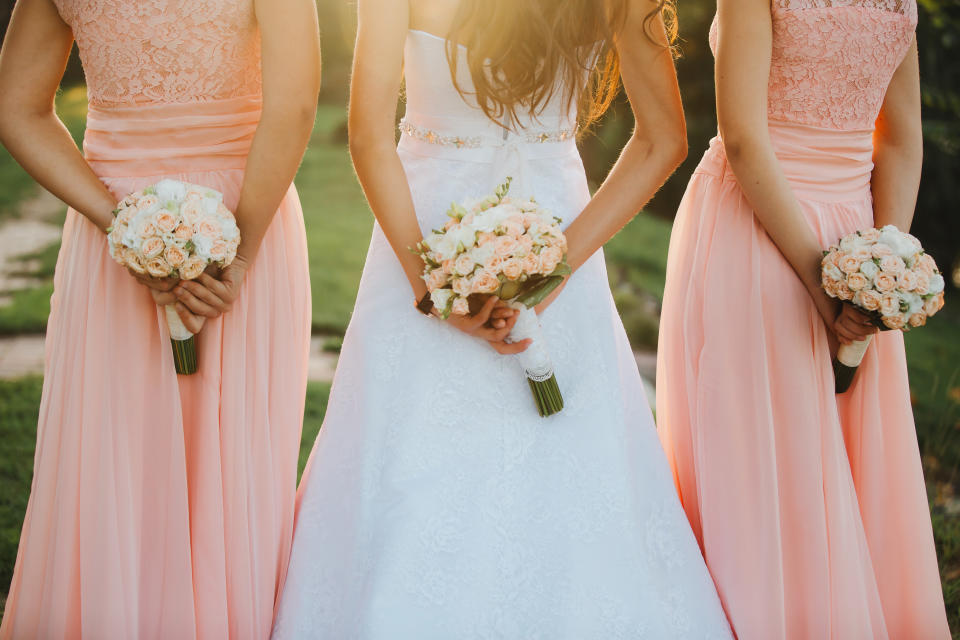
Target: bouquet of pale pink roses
[
  {"x": 511, "y": 249},
  {"x": 174, "y": 229},
  {"x": 886, "y": 274}
]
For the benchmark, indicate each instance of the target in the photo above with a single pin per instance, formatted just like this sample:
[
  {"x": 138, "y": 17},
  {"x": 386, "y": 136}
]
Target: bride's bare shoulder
[{"x": 433, "y": 16}]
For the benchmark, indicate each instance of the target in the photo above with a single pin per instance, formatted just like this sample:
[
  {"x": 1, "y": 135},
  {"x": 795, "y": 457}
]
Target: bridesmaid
[
  {"x": 162, "y": 506},
  {"x": 811, "y": 511}
]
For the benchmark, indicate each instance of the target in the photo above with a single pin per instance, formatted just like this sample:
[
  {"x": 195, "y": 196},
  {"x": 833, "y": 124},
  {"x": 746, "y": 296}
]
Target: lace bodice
[
  {"x": 833, "y": 59},
  {"x": 165, "y": 51}
]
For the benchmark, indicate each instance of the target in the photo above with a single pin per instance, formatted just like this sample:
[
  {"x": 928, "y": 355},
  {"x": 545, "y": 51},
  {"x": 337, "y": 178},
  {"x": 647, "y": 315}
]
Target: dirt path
[{"x": 30, "y": 231}]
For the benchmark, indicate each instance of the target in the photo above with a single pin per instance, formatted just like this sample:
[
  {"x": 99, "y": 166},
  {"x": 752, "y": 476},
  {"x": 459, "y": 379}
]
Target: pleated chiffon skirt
[
  {"x": 810, "y": 508},
  {"x": 162, "y": 505}
]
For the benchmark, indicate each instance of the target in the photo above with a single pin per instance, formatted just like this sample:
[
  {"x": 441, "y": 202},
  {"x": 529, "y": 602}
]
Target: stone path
[{"x": 29, "y": 232}]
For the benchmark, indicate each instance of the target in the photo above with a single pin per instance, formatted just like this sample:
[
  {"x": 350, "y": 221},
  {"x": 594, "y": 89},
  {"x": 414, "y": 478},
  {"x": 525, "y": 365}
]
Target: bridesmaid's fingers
[
  {"x": 217, "y": 287},
  {"x": 163, "y": 298},
  {"x": 206, "y": 295},
  {"x": 510, "y": 348},
  {"x": 157, "y": 284},
  {"x": 192, "y": 322},
  {"x": 195, "y": 304}
]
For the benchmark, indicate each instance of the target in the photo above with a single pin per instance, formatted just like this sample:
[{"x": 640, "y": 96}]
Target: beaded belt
[{"x": 475, "y": 142}]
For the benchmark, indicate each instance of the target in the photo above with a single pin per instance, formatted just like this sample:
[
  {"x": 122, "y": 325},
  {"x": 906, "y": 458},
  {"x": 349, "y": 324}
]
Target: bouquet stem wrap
[
  {"x": 536, "y": 361},
  {"x": 183, "y": 343},
  {"x": 848, "y": 359}
]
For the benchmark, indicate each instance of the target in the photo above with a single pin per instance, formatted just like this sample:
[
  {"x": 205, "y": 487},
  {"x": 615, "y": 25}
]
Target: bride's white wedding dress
[{"x": 437, "y": 503}]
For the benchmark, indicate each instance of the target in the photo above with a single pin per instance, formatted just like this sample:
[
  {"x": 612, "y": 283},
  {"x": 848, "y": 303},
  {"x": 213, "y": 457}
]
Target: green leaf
[
  {"x": 539, "y": 291},
  {"x": 189, "y": 246}
]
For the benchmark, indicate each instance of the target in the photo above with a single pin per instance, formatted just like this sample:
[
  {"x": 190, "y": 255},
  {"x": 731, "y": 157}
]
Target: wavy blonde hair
[{"x": 520, "y": 52}]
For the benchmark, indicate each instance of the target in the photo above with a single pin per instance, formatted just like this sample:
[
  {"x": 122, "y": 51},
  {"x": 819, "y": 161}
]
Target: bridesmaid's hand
[
  {"x": 852, "y": 325},
  {"x": 191, "y": 321},
  {"x": 492, "y": 323},
  {"x": 211, "y": 297}
]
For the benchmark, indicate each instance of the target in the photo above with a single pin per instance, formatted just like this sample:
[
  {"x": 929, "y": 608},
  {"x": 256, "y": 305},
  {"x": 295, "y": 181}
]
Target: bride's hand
[
  {"x": 210, "y": 297},
  {"x": 492, "y": 323}
]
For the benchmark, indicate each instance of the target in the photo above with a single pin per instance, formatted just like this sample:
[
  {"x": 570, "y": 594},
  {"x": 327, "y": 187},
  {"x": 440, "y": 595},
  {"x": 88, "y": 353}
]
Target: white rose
[
  {"x": 229, "y": 228},
  {"x": 898, "y": 241},
  {"x": 914, "y": 303},
  {"x": 833, "y": 272},
  {"x": 936, "y": 283},
  {"x": 848, "y": 244},
  {"x": 490, "y": 219},
  {"x": 168, "y": 190},
  {"x": 463, "y": 236},
  {"x": 447, "y": 248},
  {"x": 869, "y": 268},
  {"x": 210, "y": 205},
  {"x": 441, "y": 298},
  {"x": 131, "y": 238},
  {"x": 480, "y": 255},
  {"x": 202, "y": 246}
]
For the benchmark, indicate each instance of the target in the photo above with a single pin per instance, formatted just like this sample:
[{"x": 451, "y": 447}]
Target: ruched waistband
[
  {"x": 164, "y": 139},
  {"x": 827, "y": 165}
]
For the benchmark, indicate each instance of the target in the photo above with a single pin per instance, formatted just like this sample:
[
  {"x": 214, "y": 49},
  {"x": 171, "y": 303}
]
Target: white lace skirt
[{"x": 437, "y": 502}]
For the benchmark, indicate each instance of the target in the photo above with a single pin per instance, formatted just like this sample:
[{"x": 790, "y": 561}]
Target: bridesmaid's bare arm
[
  {"x": 290, "y": 67},
  {"x": 32, "y": 63},
  {"x": 742, "y": 73},
  {"x": 656, "y": 147},
  {"x": 290, "y": 62},
  {"x": 898, "y": 147}
]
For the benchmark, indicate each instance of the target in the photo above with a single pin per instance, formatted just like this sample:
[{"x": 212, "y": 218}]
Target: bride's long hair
[{"x": 521, "y": 52}]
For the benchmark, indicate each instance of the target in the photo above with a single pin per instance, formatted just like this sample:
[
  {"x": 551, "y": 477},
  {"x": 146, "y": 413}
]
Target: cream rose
[
  {"x": 208, "y": 229},
  {"x": 158, "y": 268},
  {"x": 464, "y": 265},
  {"x": 192, "y": 268},
  {"x": 885, "y": 281},
  {"x": 131, "y": 260},
  {"x": 831, "y": 272},
  {"x": 849, "y": 264},
  {"x": 463, "y": 286},
  {"x": 447, "y": 266},
  {"x": 869, "y": 299},
  {"x": 893, "y": 264},
  {"x": 923, "y": 283},
  {"x": 183, "y": 232},
  {"x": 494, "y": 263},
  {"x": 857, "y": 281},
  {"x": 889, "y": 304},
  {"x": 894, "y": 321},
  {"x": 151, "y": 248},
  {"x": 530, "y": 263},
  {"x": 917, "y": 320},
  {"x": 869, "y": 269},
  {"x": 843, "y": 291},
  {"x": 485, "y": 282},
  {"x": 441, "y": 298},
  {"x": 486, "y": 237},
  {"x": 174, "y": 255},
  {"x": 512, "y": 268},
  {"x": 550, "y": 258},
  {"x": 933, "y": 304},
  {"x": 908, "y": 280},
  {"x": 460, "y": 307},
  {"x": 505, "y": 246},
  {"x": 165, "y": 221},
  {"x": 437, "y": 279},
  {"x": 881, "y": 251},
  {"x": 870, "y": 236},
  {"x": 218, "y": 251}
]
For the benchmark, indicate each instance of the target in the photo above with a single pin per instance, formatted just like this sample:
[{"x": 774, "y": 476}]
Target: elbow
[{"x": 297, "y": 114}]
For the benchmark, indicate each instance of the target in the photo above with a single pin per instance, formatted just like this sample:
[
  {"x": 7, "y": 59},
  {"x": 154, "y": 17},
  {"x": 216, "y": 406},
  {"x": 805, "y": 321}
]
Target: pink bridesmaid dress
[
  {"x": 162, "y": 505},
  {"x": 810, "y": 508}
]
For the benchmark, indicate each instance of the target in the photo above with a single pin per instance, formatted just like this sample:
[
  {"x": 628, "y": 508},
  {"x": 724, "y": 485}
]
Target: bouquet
[
  {"x": 174, "y": 229},
  {"x": 886, "y": 274},
  {"x": 514, "y": 250}
]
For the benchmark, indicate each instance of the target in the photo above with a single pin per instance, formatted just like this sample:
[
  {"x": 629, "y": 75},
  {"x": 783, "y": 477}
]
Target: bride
[{"x": 437, "y": 502}]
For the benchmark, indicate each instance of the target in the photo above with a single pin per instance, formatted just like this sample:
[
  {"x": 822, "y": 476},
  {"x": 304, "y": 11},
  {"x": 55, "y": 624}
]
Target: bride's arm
[
  {"x": 375, "y": 84},
  {"x": 656, "y": 147},
  {"x": 32, "y": 63}
]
